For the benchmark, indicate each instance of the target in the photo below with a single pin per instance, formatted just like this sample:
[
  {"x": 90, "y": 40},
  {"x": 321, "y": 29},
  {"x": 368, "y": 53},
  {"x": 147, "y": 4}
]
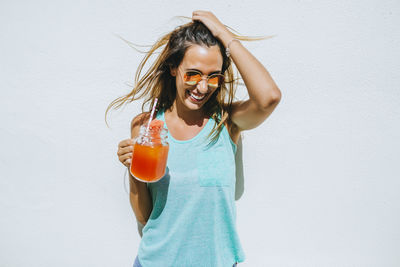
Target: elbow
[
  {"x": 272, "y": 100},
  {"x": 142, "y": 222},
  {"x": 141, "y": 219},
  {"x": 276, "y": 97}
]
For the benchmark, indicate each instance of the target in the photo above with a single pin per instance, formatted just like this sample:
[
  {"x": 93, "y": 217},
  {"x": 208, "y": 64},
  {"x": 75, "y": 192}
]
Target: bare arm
[
  {"x": 264, "y": 94},
  {"x": 139, "y": 195},
  {"x": 140, "y": 199}
]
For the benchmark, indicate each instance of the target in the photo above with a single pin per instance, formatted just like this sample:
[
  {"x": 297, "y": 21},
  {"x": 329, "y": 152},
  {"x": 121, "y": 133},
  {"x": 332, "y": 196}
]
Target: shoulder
[{"x": 137, "y": 121}]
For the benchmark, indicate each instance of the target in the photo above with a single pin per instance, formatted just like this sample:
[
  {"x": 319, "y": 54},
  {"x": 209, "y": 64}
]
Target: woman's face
[{"x": 203, "y": 59}]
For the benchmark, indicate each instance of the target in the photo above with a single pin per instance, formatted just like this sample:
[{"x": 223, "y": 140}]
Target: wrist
[
  {"x": 226, "y": 37},
  {"x": 228, "y": 46}
]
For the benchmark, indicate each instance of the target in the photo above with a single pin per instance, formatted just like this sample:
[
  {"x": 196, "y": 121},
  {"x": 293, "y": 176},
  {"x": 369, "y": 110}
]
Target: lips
[{"x": 196, "y": 97}]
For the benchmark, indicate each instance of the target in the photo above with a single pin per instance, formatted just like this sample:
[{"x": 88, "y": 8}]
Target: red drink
[
  {"x": 149, "y": 162},
  {"x": 150, "y": 153}
]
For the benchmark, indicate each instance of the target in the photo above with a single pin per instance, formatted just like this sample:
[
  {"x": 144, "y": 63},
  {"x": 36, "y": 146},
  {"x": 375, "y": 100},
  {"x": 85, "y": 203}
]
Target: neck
[{"x": 190, "y": 117}]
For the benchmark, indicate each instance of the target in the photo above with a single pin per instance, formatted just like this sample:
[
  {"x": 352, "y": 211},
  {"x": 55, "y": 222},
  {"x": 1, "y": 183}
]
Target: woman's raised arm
[{"x": 264, "y": 94}]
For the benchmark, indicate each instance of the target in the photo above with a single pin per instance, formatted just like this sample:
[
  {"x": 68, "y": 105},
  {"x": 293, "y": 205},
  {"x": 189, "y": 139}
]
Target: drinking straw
[{"x": 152, "y": 114}]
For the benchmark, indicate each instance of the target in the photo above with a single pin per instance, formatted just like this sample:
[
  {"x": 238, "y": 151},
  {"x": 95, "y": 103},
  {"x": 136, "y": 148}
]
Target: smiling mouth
[{"x": 196, "y": 97}]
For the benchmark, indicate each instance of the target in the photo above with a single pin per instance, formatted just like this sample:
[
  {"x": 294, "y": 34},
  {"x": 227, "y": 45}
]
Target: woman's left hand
[{"x": 216, "y": 27}]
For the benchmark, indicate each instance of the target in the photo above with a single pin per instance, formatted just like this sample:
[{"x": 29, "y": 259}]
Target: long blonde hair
[{"x": 158, "y": 82}]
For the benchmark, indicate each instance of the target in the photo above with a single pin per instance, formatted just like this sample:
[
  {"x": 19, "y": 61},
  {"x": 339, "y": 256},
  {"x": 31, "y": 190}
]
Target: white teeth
[{"x": 197, "y": 97}]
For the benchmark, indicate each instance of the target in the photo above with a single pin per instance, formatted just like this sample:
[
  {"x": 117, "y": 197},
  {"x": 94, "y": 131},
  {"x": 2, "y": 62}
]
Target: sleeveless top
[{"x": 193, "y": 221}]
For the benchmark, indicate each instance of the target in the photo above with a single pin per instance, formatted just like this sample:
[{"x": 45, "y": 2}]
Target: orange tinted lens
[
  {"x": 192, "y": 78},
  {"x": 215, "y": 81}
]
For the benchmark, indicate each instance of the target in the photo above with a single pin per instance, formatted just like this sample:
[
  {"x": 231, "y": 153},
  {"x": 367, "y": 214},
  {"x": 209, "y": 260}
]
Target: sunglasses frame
[{"x": 203, "y": 76}]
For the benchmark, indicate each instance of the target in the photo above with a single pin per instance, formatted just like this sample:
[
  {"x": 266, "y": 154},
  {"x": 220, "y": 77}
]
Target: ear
[{"x": 172, "y": 71}]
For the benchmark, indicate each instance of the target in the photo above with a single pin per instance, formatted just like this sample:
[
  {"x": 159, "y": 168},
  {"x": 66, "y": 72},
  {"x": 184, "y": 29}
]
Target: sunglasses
[{"x": 193, "y": 78}]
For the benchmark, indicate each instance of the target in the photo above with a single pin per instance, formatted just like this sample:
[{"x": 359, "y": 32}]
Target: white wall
[{"x": 321, "y": 174}]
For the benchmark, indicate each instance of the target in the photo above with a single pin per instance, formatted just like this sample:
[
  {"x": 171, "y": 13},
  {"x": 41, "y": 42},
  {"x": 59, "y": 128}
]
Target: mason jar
[{"x": 150, "y": 154}]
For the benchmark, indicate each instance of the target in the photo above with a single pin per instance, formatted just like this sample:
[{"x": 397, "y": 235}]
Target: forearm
[
  {"x": 140, "y": 199},
  {"x": 259, "y": 83}
]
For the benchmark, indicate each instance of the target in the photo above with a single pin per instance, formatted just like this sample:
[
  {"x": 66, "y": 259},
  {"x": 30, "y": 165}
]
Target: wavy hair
[{"x": 157, "y": 82}]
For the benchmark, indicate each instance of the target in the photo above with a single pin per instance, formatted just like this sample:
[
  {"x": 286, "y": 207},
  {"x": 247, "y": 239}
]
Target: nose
[{"x": 202, "y": 86}]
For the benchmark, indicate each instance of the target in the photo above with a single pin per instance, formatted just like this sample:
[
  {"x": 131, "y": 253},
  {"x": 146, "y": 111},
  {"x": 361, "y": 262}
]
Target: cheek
[{"x": 180, "y": 88}]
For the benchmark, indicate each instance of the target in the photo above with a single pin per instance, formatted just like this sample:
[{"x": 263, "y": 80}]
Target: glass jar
[{"x": 150, "y": 154}]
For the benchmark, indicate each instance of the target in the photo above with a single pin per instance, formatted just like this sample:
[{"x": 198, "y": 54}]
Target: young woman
[{"x": 189, "y": 215}]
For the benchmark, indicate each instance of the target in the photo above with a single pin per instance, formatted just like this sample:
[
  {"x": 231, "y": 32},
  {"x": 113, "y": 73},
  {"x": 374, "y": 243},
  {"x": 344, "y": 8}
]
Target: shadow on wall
[{"x": 239, "y": 188}]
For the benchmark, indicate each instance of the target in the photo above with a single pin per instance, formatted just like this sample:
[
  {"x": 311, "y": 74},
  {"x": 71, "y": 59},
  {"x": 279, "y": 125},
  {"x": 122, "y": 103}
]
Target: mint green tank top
[{"x": 193, "y": 221}]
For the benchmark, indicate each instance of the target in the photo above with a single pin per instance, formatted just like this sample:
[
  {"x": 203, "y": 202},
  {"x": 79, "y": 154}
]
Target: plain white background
[{"x": 321, "y": 174}]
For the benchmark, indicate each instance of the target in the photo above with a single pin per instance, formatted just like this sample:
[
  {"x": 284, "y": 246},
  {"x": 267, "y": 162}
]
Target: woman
[{"x": 189, "y": 215}]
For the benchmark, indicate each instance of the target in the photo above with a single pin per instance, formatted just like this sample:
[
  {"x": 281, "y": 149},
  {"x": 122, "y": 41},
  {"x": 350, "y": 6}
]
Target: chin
[{"x": 193, "y": 104}]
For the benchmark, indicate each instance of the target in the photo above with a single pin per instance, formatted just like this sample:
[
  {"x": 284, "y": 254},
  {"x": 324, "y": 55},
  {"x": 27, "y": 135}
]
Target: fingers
[
  {"x": 126, "y": 159},
  {"x": 206, "y": 18},
  {"x": 201, "y": 15},
  {"x": 125, "y": 146},
  {"x": 210, "y": 21},
  {"x": 124, "y": 150},
  {"x": 196, "y": 12},
  {"x": 127, "y": 163},
  {"x": 126, "y": 142},
  {"x": 201, "y": 12}
]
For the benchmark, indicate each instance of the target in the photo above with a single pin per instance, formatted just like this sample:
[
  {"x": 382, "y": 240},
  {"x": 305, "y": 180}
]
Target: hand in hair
[{"x": 217, "y": 28}]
